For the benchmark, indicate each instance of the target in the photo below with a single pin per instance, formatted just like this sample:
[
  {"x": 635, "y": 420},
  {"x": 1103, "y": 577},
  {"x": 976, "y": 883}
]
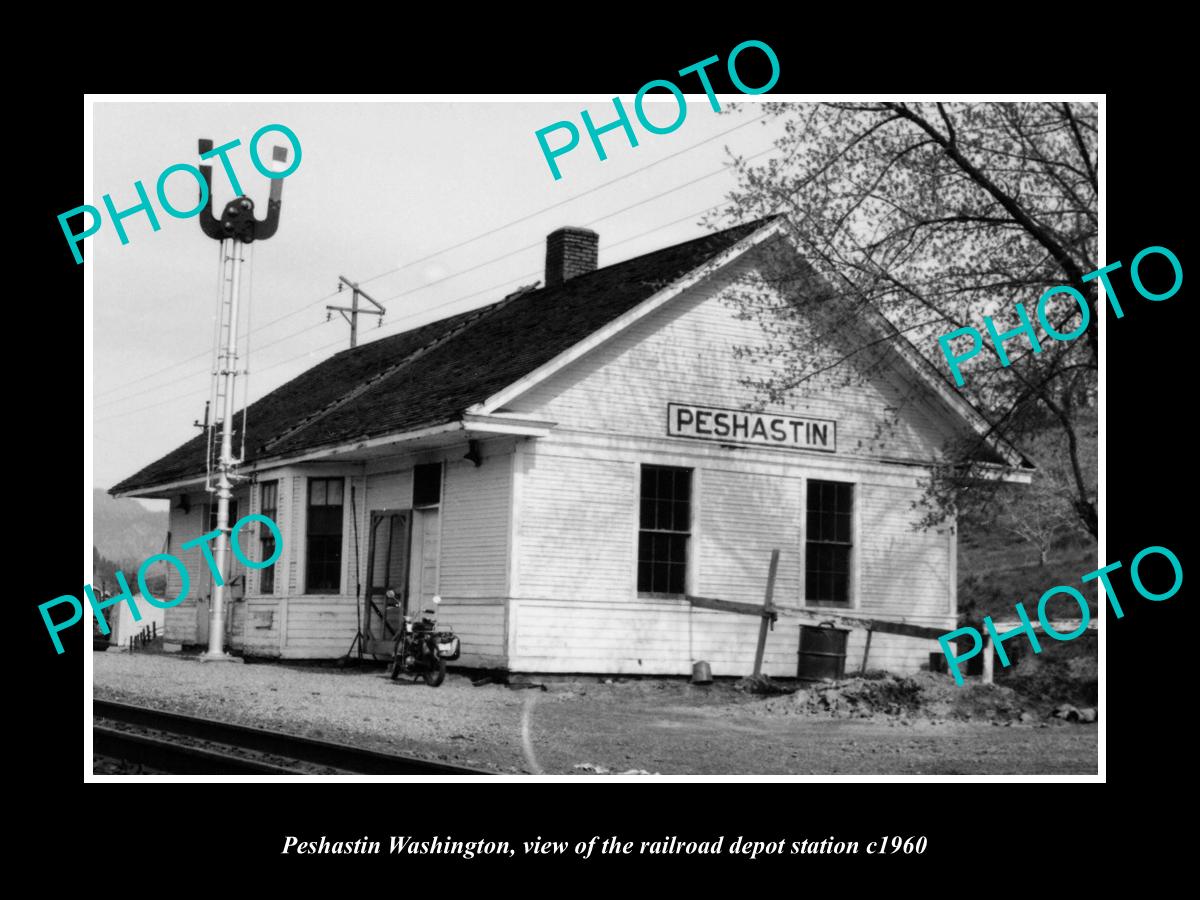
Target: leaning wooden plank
[
  {"x": 837, "y": 620},
  {"x": 767, "y": 617},
  {"x": 1062, "y": 627},
  {"x": 841, "y": 620},
  {"x": 733, "y": 606}
]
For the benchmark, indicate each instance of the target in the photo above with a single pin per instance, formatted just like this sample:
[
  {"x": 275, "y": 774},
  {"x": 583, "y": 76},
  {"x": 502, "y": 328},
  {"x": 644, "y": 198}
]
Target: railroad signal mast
[{"x": 236, "y": 228}]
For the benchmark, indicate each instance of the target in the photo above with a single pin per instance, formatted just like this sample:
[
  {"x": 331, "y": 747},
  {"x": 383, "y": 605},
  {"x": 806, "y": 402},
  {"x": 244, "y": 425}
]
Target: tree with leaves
[{"x": 934, "y": 215}]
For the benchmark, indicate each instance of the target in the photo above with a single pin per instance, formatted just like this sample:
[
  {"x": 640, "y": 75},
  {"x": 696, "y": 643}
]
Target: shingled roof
[{"x": 432, "y": 374}]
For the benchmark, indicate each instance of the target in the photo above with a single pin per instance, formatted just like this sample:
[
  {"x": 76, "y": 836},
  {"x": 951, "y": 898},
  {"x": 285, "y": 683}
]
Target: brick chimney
[{"x": 570, "y": 252}]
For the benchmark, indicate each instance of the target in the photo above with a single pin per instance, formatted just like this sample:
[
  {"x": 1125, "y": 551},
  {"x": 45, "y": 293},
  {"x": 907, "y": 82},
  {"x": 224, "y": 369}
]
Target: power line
[
  {"x": 403, "y": 318},
  {"x": 205, "y": 353},
  {"x": 545, "y": 209},
  {"x": 193, "y": 374},
  {"x": 460, "y": 244},
  {"x": 540, "y": 243},
  {"x": 309, "y": 353}
]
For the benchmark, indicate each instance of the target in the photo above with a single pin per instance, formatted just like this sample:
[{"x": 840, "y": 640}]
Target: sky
[{"x": 388, "y": 194}]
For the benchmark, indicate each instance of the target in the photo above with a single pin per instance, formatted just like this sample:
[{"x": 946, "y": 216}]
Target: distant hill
[{"x": 124, "y": 530}]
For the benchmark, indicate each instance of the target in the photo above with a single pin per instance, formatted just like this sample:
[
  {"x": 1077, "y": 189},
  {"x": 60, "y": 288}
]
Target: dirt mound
[
  {"x": 1063, "y": 673},
  {"x": 761, "y": 684},
  {"x": 920, "y": 695}
]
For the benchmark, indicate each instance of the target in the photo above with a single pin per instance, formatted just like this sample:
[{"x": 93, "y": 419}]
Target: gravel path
[
  {"x": 477, "y": 726},
  {"x": 660, "y": 726}
]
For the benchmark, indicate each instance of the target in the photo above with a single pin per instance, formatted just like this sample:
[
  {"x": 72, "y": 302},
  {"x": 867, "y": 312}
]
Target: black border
[{"x": 1024, "y": 835}]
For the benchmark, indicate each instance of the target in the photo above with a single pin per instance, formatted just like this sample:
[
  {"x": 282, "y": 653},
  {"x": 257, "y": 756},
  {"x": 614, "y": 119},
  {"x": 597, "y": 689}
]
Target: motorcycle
[{"x": 422, "y": 649}]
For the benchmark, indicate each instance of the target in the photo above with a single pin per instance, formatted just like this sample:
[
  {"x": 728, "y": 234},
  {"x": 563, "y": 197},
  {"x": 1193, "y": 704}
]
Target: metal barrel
[
  {"x": 701, "y": 673},
  {"x": 822, "y": 652}
]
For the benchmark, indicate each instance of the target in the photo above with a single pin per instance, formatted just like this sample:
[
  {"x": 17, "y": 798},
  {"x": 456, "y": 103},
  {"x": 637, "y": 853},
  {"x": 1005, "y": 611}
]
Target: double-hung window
[
  {"x": 323, "y": 570},
  {"x": 828, "y": 543},
  {"x": 212, "y": 513},
  {"x": 268, "y": 493},
  {"x": 665, "y": 530}
]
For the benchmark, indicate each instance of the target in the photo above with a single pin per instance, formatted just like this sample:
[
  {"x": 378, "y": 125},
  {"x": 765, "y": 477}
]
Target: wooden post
[
  {"x": 866, "y": 651},
  {"x": 989, "y": 658},
  {"x": 768, "y": 613}
]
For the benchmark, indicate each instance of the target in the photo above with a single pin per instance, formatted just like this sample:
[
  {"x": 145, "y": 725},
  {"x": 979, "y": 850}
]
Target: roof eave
[{"x": 495, "y": 424}]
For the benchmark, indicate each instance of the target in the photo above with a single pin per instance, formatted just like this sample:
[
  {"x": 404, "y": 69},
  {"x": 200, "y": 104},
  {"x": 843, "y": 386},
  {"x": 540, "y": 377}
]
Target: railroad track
[{"x": 172, "y": 748}]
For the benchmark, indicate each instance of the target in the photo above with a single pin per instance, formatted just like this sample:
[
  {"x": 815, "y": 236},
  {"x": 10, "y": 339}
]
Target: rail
[{"x": 171, "y": 754}]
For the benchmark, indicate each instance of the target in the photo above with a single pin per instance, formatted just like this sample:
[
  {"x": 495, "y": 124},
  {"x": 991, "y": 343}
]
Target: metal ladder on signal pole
[{"x": 236, "y": 228}]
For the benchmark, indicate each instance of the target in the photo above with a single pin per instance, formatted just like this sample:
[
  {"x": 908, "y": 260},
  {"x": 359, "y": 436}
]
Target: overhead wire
[
  {"x": 447, "y": 249},
  {"x": 341, "y": 341},
  {"x": 563, "y": 202},
  {"x": 538, "y": 244},
  {"x": 454, "y": 300},
  {"x": 202, "y": 354}
]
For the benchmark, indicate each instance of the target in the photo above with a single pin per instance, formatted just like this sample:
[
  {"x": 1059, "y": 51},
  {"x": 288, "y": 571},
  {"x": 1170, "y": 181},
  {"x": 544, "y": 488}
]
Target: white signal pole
[
  {"x": 227, "y": 376},
  {"x": 236, "y": 228}
]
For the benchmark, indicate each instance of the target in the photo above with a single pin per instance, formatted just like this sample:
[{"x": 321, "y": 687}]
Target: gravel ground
[{"x": 582, "y": 726}]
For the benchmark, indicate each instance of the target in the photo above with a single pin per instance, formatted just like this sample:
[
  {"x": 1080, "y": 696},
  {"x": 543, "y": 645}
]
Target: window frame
[
  {"x": 690, "y": 534},
  {"x": 212, "y": 513},
  {"x": 441, "y": 485},
  {"x": 265, "y": 535},
  {"x": 336, "y": 590},
  {"x": 855, "y": 543}
]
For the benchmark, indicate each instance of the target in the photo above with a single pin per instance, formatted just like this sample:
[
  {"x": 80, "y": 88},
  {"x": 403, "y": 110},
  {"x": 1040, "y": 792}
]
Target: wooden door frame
[{"x": 375, "y": 517}]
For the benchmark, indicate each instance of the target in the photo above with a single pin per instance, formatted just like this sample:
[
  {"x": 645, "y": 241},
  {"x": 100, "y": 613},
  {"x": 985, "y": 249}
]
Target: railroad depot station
[{"x": 566, "y": 466}]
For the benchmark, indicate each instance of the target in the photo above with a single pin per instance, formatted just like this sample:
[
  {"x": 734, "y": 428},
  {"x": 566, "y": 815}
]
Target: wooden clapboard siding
[
  {"x": 389, "y": 490},
  {"x": 479, "y": 625},
  {"x": 576, "y": 526},
  {"x": 742, "y": 518},
  {"x": 474, "y": 530},
  {"x": 578, "y": 522},
  {"x": 641, "y": 637},
  {"x": 615, "y": 637},
  {"x": 653, "y": 638},
  {"x": 902, "y": 572},
  {"x": 235, "y": 622},
  {"x": 685, "y": 352},
  {"x": 260, "y": 633},
  {"x": 179, "y": 622},
  {"x": 318, "y": 627}
]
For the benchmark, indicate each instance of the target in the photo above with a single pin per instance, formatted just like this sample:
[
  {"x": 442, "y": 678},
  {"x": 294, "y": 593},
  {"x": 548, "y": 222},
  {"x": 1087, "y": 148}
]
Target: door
[
  {"x": 387, "y": 569},
  {"x": 423, "y": 575}
]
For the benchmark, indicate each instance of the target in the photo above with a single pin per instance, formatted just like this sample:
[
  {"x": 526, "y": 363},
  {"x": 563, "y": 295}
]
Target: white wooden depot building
[{"x": 564, "y": 465}]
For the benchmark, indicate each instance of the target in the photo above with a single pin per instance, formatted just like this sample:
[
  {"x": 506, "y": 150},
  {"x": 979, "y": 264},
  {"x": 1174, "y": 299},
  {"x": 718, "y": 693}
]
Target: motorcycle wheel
[
  {"x": 397, "y": 667},
  {"x": 437, "y": 674}
]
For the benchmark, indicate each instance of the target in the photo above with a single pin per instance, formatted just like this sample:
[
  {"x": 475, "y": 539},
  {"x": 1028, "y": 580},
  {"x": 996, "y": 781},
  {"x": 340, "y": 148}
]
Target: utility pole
[
  {"x": 236, "y": 228},
  {"x": 353, "y": 309}
]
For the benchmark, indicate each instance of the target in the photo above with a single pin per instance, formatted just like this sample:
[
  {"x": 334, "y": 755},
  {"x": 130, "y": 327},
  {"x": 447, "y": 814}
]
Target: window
[
  {"x": 212, "y": 513},
  {"x": 427, "y": 484},
  {"x": 268, "y": 493},
  {"x": 828, "y": 543},
  {"x": 323, "y": 573},
  {"x": 666, "y": 526}
]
